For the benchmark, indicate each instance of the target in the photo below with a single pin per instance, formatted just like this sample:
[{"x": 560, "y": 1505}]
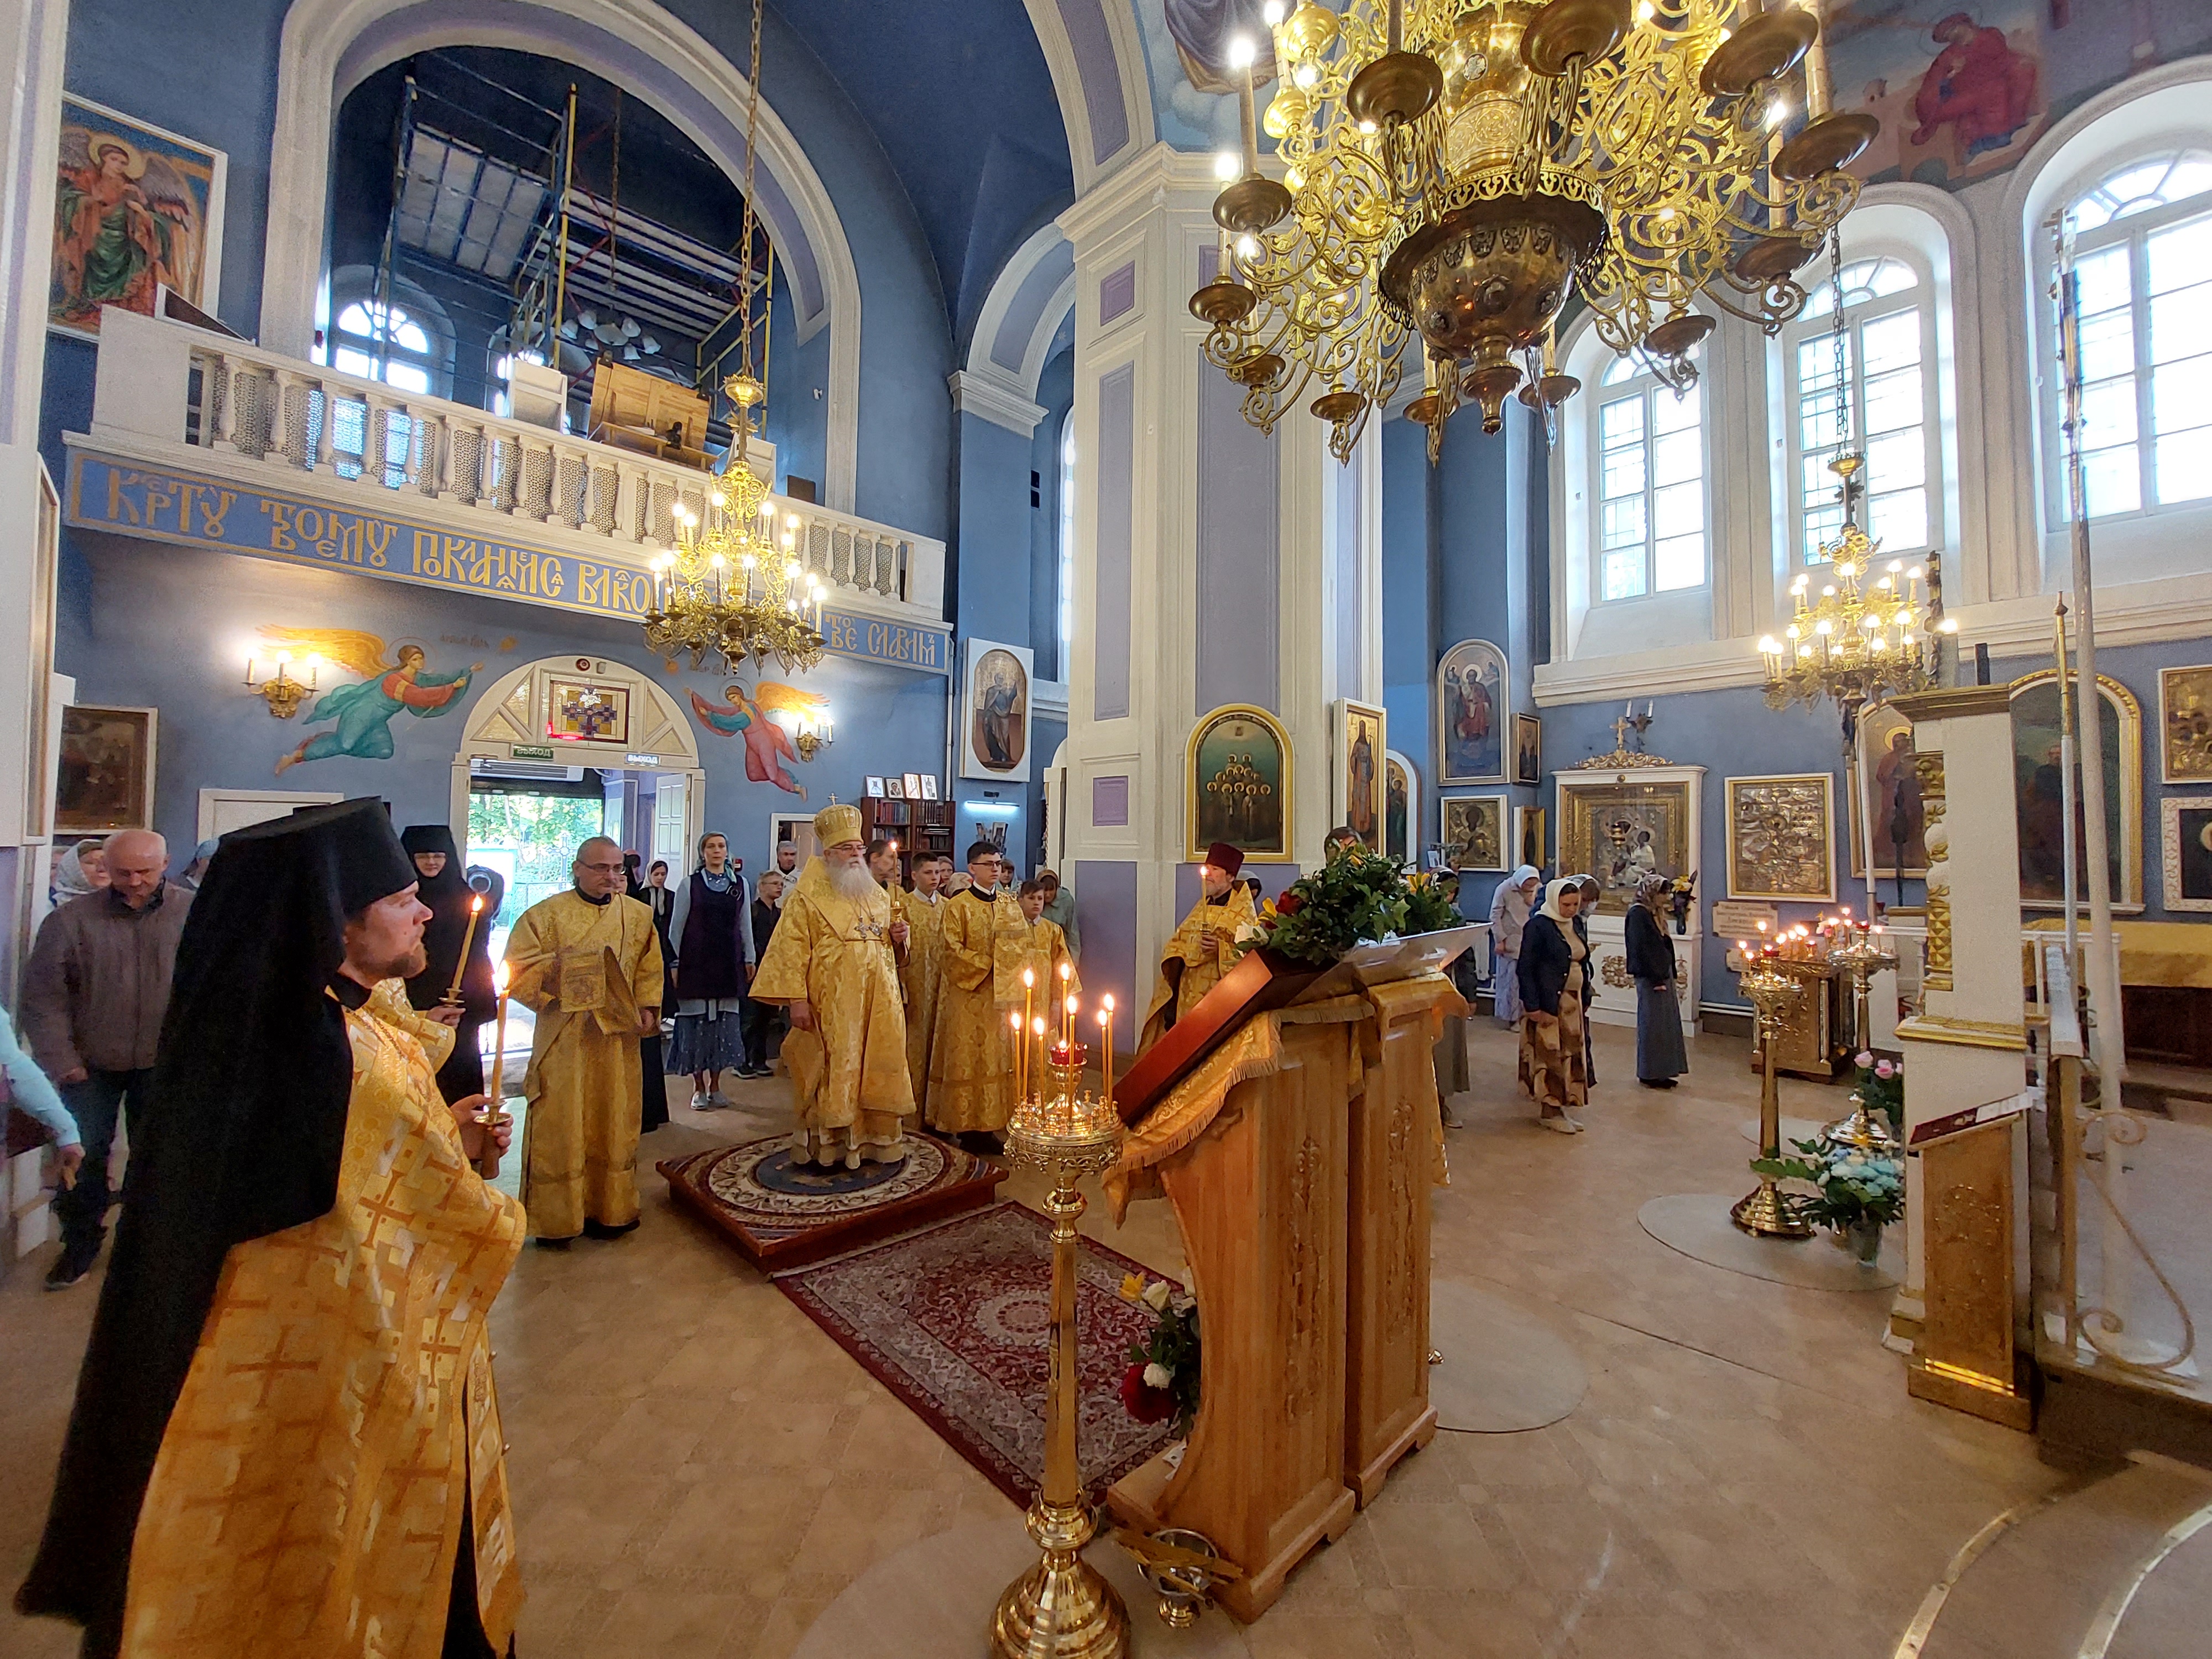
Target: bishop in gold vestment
[
  {"x": 971, "y": 1084},
  {"x": 587, "y": 964},
  {"x": 832, "y": 964},
  {"x": 286, "y": 1444},
  {"x": 1204, "y": 947},
  {"x": 924, "y": 967}
]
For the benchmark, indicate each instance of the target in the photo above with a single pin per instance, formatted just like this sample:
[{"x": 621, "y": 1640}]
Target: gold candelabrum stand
[
  {"x": 1863, "y": 958},
  {"x": 1062, "y": 1609},
  {"x": 1769, "y": 1212}
]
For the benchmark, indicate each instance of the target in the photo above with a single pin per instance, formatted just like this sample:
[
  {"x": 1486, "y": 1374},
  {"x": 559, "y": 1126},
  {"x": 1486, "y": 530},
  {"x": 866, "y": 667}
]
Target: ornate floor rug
[
  {"x": 953, "y": 1321},
  {"x": 783, "y": 1214}
]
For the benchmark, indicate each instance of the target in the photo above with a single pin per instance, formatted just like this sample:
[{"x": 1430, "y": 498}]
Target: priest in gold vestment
[
  {"x": 971, "y": 1084},
  {"x": 587, "y": 964},
  {"x": 924, "y": 967},
  {"x": 1204, "y": 946},
  {"x": 285, "y": 1443},
  {"x": 833, "y": 965}
]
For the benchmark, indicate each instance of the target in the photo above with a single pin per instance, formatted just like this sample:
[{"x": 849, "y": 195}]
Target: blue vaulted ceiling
[{"x": 957, "y": 94}]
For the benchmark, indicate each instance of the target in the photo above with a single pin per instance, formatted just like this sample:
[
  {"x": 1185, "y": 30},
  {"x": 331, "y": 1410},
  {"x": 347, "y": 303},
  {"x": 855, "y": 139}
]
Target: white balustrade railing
[{"x": 167, "y": 384}]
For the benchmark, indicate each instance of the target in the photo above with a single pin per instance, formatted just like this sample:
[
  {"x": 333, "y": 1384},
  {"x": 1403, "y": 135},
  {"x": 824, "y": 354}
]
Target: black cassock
[{"x": 448, "y": 893}]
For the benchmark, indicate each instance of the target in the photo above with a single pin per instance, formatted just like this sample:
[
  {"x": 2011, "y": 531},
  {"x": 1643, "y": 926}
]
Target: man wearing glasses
[{"x": 587, "y": 964}]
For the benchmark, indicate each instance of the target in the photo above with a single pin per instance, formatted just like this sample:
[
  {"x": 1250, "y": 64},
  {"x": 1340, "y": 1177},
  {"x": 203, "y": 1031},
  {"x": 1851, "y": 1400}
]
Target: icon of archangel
[
  {"x": 768, "y": 744},
  {"x": 365, "y": 708}
]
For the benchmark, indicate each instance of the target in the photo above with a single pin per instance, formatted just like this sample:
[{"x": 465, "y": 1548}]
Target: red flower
[
  {"x": 1289, "y": 904},
  {"x": 1144, "y": 1402}
]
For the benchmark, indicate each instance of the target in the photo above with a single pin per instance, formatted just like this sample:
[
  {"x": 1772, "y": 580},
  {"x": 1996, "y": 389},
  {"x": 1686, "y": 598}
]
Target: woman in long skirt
[
  {"x": 1659, "y": 1055},
  {"x": 1554, "y": 1065},
  {"x": 1510, "y": 906}
]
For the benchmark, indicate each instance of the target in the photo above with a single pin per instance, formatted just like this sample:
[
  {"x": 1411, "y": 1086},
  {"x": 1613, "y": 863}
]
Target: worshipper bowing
[
  {"x": 1204, "y": 945},
  {"x": 762, "y": 1020},
  {"x": 587, "y": 964},
  {"x": 923, "y": 971},
  {"x": 443, "y": 887},
  {"x": 1553, "y": 1060},
  {"x": 971, "y": 1085},
  {"x": 233, "y": 1428},
  {"x": 1510, "y": 906},
  {"x": 712, "y": 924},
  {"x": 1659, "y": 1055},
  {"x": 95, "y": 993},
  {"x": 1045, "y": 948},
  {"x": 832, "y": 965}
]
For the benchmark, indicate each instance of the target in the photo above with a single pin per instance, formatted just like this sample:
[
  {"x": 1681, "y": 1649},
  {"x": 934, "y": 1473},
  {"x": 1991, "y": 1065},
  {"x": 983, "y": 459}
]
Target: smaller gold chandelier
[{"x": 1862, "y": 640}]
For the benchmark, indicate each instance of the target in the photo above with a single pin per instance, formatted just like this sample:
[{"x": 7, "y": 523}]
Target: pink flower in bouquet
[
  {"x": 1143, "y": 1401},
  {"x": 1865, "y": 1057},
  {"x": 1884, "y": 1070}
]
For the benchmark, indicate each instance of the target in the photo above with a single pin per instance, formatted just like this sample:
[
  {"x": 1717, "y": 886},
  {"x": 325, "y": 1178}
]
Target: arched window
[
  {"x": 2143, "y": 258},
  {"x": 367, "y": 330},
  {"x": 1888, "y": 348},
  {"x": 503, "y": 360},
  {"x": 1648, "y": 480},
  {"x": 1066, "y": 620}
]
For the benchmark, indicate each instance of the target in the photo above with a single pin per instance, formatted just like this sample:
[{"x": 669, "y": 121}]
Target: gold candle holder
[
  {"x": 1062, "y": 1607},
  {"x": 1863, "y": 958},
  {"x": 1770, "y": 1213}
]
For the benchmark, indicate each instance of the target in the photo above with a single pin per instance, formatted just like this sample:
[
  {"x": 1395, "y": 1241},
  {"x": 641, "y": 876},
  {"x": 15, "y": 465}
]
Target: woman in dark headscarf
[
  {"x": 1553, "y": 985},
  {"x": 441, "y": 885},
  {"x": 1659, "y": 1055}
]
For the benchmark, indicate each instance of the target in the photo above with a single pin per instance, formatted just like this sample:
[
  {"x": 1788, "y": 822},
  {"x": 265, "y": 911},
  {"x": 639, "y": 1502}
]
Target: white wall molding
[
  {"x": 1078, "y": 97},
  {"x": 997, "y": 325},
  {"x": 323, "y": 56},
  {"x": 987, "y": 399}
]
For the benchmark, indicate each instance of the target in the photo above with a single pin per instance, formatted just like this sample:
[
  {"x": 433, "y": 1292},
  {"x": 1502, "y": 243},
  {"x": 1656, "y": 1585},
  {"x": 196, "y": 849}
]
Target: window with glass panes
[
  {"x": 365, "y": 329},
  {"x": 1066, "y": 620},
  {"x": 1649, "y": 455},
  {"x": 2142, "y": 259},
  {"x": 1891, "y": 395}
]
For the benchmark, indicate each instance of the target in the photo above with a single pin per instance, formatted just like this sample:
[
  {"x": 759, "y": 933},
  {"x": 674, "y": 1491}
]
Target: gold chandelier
[
  {"x": 730, "y": 587},
  {"x": 1453, "y": 169}
]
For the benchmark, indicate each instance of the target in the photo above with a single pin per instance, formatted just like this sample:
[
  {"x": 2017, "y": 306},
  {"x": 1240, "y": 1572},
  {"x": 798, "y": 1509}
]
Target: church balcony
[{"x": 190, "y": 410}]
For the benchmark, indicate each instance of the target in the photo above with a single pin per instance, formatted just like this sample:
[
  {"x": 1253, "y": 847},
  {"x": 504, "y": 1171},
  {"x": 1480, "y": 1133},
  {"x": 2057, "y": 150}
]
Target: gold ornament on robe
[
  {"x": 971, "y": 1085},
  {"x": 308, "y": 1497},
  {"x": 1203, "y": 962},
  {"x": 585, "y": 970},
  {"x": 920, "y": 976},
  {"x": 1045, "y": 947},
  {"x": 849, "y": 1073}
]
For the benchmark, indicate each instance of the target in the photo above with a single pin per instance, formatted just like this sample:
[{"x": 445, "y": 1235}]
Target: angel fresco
[
  {"x": 767, "y": 744},
  {"x": 364, "y": 709},
  {"x": 128, "y": 216}
]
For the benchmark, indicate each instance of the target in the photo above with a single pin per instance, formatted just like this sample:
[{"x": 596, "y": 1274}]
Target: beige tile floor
[{"x": 698, "y": 1471}]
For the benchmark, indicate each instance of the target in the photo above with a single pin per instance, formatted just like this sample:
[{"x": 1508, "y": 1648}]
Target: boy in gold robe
[
  {"x": 833, "y": 965},
  {"x": 1204, "y": 947},
  {"x": 971, "y": 1084},
  {"x": 587, "y": 964},
  {"x": 1044, "y": 949},
  {"x": 285, "y": 1443},
  {"x": 924, "y": 967}
]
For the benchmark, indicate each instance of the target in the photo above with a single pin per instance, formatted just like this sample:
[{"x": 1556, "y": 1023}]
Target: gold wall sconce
[{"x": 280, "y": 691}]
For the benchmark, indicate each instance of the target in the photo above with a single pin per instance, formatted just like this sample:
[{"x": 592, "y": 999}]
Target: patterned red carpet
[{"x": 953, "y": 1321}]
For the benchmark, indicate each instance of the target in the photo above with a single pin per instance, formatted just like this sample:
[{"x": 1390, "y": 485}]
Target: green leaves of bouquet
[
  {"x": 1359, "y": 896},
  {"x": 1853, "y": 1185}
]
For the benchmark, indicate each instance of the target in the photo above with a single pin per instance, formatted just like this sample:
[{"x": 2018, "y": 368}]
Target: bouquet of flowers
[
  {"x": 1881, "y": 1086},
  {"x": 1855, "y": 1188},
  {"x": 1358, "y": 897},
  {"x": 1161, "y": 1385}
]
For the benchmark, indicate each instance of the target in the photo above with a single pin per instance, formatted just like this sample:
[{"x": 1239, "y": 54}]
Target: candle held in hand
[{"x": 461, "y": 964}]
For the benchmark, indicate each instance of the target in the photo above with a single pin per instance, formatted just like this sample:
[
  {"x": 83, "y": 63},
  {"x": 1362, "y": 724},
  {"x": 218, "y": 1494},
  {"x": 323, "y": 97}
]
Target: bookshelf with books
[{"x": 918, "y": 826}]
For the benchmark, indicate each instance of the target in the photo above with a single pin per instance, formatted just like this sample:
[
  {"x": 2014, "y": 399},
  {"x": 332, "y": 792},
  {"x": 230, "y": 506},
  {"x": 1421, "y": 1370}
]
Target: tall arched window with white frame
[
  {"x": 2142, "y": 255},
  {"x": 1887, "y": 352},
  {"x": 1648, "y": 480},
  {"x": 368, "y": 332}
]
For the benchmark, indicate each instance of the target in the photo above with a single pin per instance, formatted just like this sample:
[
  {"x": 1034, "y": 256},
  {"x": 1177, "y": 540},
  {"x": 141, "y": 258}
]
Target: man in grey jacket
[{"x": 93, "y": 994}]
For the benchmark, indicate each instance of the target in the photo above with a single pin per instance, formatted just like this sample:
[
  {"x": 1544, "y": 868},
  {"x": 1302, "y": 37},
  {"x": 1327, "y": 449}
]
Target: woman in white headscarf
[
  {"x": 1554, "y": 1065},
  {"x": 82, "y": 869},
  {"x": 1510, "y": 906}
]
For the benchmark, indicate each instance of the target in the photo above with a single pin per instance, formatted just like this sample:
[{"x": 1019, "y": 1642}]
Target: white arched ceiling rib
[
  {"x": 1098, "y": 63},
  {"x": 330, "y": 46},
  {"x": 1029, "y": 300}
]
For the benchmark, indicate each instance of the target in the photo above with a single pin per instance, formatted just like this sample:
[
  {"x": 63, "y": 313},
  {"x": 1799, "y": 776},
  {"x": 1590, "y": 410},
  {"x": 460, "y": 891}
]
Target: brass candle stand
[
  {"x": 1863, "y": 958},
  {"x": 1062, "y": 1609},
  {"x": 1769, "y": 1212}
]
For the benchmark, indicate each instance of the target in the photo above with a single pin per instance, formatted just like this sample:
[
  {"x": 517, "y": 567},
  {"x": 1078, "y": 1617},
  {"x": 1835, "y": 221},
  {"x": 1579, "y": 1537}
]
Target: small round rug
[
  {"x": 761, "y": 1182},
  {"x": 1505, "y": 1370},
  {"x": 1696, "y": 1225}
]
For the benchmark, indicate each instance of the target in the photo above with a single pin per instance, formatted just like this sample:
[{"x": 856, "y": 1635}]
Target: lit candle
[
  {"x": 1021, "y": 1053},
  {"x": 1067, "y": 1025},
  {"x": 1106, "y": 1051},
  {"x": 499, "y": 1041},
  {"x": 469, "y": 938},
  {"x": 1242, "y": 54},
  {"x": 1036, "y": 1036},
  {"x": 1029, "y": 990}
]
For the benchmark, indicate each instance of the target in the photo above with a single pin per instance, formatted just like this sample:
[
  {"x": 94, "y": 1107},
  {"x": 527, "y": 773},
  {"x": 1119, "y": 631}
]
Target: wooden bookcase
[{"x": 920, "y": 826}]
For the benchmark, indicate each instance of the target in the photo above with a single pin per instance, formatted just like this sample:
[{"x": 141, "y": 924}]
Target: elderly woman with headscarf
[
  {"x": 1659, "y": 1055},
  {"x": 1510, "y": 906},
  {"x": 1554, "y": 1064},
  {"x": 82, "y": 869}
]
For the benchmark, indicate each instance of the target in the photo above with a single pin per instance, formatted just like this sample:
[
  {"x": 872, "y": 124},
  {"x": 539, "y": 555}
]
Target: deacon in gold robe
[
  {"x": 1044, "y": 951},
  {"x": 285, "y": 1443},
  {"x": 924, "y": 967},
  {"x": 832, "y": 963},
  {"x": 1204, "y": 947},
  {"x": 587, "y": 964},
  {"x": 972, "y": 1084}
]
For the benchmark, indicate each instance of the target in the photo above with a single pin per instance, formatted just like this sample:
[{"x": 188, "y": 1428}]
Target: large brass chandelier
[
  {"x": 731, "y": 586},
  {"x": 1453, "y": 169}
]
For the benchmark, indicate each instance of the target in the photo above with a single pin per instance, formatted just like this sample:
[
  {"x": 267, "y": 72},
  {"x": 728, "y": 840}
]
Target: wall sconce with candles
[{"x": 280, "y": 691}]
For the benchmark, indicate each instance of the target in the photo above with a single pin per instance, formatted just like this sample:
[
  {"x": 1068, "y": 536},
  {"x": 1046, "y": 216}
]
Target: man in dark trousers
[{"x": 759, "y": 1018}]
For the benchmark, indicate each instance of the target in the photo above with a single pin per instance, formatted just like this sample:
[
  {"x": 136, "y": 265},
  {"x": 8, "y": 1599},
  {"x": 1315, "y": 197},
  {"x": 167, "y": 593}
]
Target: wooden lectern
[{"x": 1299, "y": 1157}]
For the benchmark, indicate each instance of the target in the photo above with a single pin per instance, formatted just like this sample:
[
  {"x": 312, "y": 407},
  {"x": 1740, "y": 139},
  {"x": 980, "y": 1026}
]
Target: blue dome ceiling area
[{"x": 958, "y": 96}]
